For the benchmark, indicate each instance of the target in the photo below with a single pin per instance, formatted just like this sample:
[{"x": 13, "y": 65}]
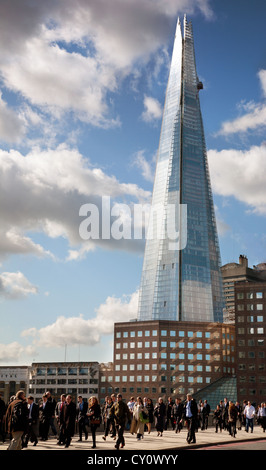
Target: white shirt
[{"x": 249, "y": 411}]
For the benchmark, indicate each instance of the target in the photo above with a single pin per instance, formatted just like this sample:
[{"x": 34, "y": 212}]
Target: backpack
[{"x": 17, "y": 417}]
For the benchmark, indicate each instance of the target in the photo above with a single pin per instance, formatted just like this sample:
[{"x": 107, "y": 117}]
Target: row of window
[
  {"x": 250, "y": 318},
  {"x": 63, "y": 381},
  {"x": 252, "y": 378},
  {"x": 260, "y": 367},
  {"x": 250, "y": 295},
  {"x": 251, "y": 354},
  {"x": 163, "y": 344},
  {"x": 251, "y": 331},
  {"x": 147, "y": 333},
  {"x": 249, "y": 307},
  {"x": 154, "y": 378},
  {"x": 62, "y": 371},
  {"x": 165, "y": 355},
  {"x": 180, "y": 367}
]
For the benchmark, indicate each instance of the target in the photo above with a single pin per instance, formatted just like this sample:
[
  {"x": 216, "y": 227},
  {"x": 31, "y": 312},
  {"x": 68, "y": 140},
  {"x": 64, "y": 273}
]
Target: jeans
[{"x": 249, "y": 423}]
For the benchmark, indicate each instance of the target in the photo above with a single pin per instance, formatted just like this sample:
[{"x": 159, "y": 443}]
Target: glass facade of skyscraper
[{"x": 182, "y": 280}]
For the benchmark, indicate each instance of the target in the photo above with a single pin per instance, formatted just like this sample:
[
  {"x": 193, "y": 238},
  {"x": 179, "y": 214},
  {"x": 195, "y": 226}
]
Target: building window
[
  {"x": 259, "y": 318},
  {"x": 259, "y": 295},
  {"x": 131, "y": 378},
  {"x": 240, "y": 295},
  {"x": 181, "y": 345},
  {"x": 125, "y": 334},
  {"x": 163, "y": 344},
  {"x": 132, "y": 334},
  {"x": 163, "y": 333},
  {"x": 147, "y": 333},
  {"x": 154, "y": 344},
  {"x": 139, "y": 333},
  {"x": 154, "y": 332},
  {"x": 259, "y": 306},
  {"x": 118, "y": 334},
  {"x": 181, "y": 333},
  {"x": 172, "y": 333}
]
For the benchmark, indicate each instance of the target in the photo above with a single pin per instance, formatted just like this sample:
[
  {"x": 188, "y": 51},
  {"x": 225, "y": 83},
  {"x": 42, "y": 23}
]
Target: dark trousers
[
  {"x": 93, "y": 433},
  {"x": 82, "y": 428},
  {"x": 31, "y": 433},
  {"x": 191, "y": 426},
  {"x": 232, "y": 427},
  {"x": 120, "y": 431},
  {"x": 62, "y": 436},
  {"x": 107, "y": 427},
  {"x": 44, "y": 428}
]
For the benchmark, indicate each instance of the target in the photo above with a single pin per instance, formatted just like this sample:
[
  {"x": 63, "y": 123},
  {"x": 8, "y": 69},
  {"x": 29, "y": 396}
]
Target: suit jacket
[
  {"x": 70, "y": 417},
  {"x": 34, "y": 413},
  {"x": 82, "y": 410},
  {"x": 193, "y": 409},
  {"x": 60, "y": 412}
]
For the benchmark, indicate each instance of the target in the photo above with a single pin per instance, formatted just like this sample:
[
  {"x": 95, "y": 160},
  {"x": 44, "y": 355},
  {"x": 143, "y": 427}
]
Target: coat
[
  {"x": 120, "y": 412},
  {"x": 70, "y": 418},
  {"x": 24, "y": 416},
  {"x": 159, "y": 413},
  {"x": 137, "y": 426}
]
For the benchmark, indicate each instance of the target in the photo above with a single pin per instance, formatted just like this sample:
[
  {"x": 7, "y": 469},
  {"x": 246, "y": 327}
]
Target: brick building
[
  {"x": 250, "y": 304},
  {"x": 163, "y": 358}
]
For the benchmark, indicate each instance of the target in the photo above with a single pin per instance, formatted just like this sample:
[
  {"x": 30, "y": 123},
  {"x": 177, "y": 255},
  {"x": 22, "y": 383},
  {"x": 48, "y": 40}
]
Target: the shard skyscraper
[{"x": 183, "y": 284}]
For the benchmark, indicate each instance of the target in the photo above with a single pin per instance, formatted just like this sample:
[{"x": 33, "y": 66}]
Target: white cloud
[
  {"x": 253, "y": 119},
  {"x": 12, "y": 127},
  {"x": 15, "y": 286},
  {"x": 153, "y": 109},
  {"x": 110, "y": 40},
  {"x": 14, "y": 351},
  {"x": 146, "y": 167},
  {"x": 43, "y": 192},
  {"x": 241, "y": 174},
  {"x": 78, "y": 330}
]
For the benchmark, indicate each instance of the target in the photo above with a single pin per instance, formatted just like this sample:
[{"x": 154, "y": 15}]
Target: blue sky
[{"x": 82, "y": 88}]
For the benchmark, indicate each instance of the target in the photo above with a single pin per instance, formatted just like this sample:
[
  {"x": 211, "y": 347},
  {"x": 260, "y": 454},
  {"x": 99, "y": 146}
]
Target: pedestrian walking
[
  {"x": 225, "y": 405},
  {"x": 249, "y": 413},
  {"x": 205, "y": 415},
  {"x": 45, "y": 415},
  {"x": 17, "y": 420},
  {"x": 51, "y": 406},
  {"x": 150, "y": 409},
  {"x": 106, "y": 416},
  {"x": 119, "y": 413},
  {"x": 70, "y": 420},
  {"x": 169, "y": 419},
  {"x": 2, "y": 418},
  {"x": 160, "y": 414},
  {"x": 33, "y": 422},
  {"x": 82, "y": 418},
  {"x": 261, "y": 415},
  {"x": 217, "y": 418},
  {"x": 112, "y": 424},
  {"x": 60, "y": 417},
  {"x": 239, "y": 415},
  {"x": 94, "y": 415},
  {"x": 140, "y": 416},
  {"x": 190, "y": 414},
  {"x": 177, "y": 414},
  {"x": 232, "y": 417}
]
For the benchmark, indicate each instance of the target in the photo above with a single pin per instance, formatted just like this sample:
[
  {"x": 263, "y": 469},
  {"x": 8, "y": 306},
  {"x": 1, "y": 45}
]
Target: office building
[{"x": 181, "y": 278}]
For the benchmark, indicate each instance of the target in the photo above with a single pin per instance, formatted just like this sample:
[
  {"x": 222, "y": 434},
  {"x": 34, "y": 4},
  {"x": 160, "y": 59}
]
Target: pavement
[{"x": 169, "y": 441}]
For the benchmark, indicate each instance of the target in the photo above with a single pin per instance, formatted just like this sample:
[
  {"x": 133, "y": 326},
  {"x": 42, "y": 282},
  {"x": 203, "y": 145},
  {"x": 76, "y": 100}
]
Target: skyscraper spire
[{"x": 185, "y": 283}]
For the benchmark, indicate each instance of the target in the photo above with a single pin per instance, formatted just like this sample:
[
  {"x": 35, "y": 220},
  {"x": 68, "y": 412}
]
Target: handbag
[{"x": 95, "y": 421}]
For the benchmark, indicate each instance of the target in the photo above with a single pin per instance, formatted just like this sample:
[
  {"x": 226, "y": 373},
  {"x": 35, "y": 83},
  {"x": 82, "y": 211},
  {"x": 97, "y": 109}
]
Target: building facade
[
  {"x": 235, "y": 272},
  {"x": 181, "y": 278},
  {"x": 164, "y": 358},
  {"x": 74, "y": 378},
  {"x": 250, "y": 304},
  {"x": 13, "y": 379}
]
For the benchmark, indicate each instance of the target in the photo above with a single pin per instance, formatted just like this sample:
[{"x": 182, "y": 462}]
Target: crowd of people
[{"x": 25, "y": 421}]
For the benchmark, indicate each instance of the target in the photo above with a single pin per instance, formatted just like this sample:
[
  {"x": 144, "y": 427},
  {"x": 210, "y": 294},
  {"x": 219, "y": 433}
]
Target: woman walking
[
  {"x": 106, "y": 417},
  {"x": 94, "y": 415},
  {"x": 232, "y": 417},
  {"x": 150, "y": 409},
  {"x": 159, "y": 413},
  {"x": 139, "y": 415}
]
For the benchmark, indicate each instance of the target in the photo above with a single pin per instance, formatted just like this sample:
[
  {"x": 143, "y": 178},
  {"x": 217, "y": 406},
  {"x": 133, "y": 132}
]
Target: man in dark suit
[
  {"x": 60, "y": 416},
  {"x": 82, "y": 417},
  {"x": 190, "y": 414},
  {"x": 33, "y": 422},
  {"x": 70, "y": 419},
  {"x": 205, "y": 414}
]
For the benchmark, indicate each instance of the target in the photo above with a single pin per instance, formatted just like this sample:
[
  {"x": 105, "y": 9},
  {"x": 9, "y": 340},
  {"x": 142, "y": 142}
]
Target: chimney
[{"x": 243, "y": 261}]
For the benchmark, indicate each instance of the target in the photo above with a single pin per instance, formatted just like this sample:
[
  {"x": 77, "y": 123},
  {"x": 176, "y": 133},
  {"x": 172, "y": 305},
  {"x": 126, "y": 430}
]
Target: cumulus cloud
[
  {"x": 146, "y": 167},
  {"x": 254, "y": 117},
  {"x": 241, "y": 174},
  {"x": 14, "y": 351},
  {"x": 78, "y": 330},
  {"x": 69, "y": 55},
  {"x": 15, "y": 286},
  {"x": 152, "y": 109},
  {"x": 43, "y": 192},
  {"x": 12, "y": 127}
]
